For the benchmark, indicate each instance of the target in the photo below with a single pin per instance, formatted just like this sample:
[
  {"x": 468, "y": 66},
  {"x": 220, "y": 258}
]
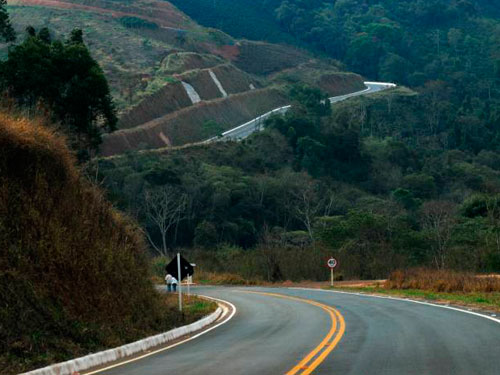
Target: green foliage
[
  {"x": 322, "y": 146},
  {"x": 242, "y": 19},
  {"x": 448, "y": 50},
  {"x": 63, "y": 78},
  {"x": 369, "y": 183},
  {"x": 205, "y": 235},
  {"x": 211, "y": 128},
  {"x": 137, "y": 23},
  {"x": 7, "y": 33}
]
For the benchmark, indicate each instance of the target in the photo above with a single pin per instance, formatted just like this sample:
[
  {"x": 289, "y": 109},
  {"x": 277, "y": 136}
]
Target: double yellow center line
[{"x": 320, "y": 352}]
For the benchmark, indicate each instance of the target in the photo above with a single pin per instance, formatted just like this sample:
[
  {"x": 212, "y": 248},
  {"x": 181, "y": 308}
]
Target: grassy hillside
[{"x": 73, "y": 270}]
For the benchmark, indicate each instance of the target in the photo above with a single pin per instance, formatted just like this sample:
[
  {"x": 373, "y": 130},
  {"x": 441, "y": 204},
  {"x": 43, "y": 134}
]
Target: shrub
[
  {"x": 137, "y": 23},
  {"x": 442, "y": 281}
]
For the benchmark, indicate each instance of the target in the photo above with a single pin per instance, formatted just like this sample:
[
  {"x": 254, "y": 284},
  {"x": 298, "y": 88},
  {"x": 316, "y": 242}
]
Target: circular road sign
[{"x": 332, "y": 262}]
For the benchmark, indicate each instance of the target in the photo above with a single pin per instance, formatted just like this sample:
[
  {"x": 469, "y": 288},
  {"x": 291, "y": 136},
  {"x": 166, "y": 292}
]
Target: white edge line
[
  {"x": 173, "y": 345},
  {"x": 402, "y": 299}
]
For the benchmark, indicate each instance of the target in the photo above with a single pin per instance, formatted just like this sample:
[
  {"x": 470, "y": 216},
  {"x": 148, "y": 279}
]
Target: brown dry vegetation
[
  {"x": 73, "y": 272},
  {"x": 442, "y": 281},
  {"x": 179, "y": 62},
  {"x": 214, "y": 278}
]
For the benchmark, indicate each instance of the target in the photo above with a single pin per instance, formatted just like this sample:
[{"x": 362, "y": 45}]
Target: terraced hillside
[{"x": 169, "y": 75}]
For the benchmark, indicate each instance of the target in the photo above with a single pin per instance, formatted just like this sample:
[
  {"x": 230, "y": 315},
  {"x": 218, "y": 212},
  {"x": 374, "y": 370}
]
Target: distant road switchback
[
  {"x": 279, "y": 331},
  {"x": 256, "y": 124}
]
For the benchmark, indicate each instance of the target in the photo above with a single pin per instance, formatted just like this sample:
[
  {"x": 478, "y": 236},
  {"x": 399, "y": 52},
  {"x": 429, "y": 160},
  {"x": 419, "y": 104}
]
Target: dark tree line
[{"x": 61, "y": 79}]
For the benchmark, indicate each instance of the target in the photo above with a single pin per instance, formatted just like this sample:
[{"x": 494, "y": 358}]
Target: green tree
[
  {"x": 65, "y": 79},
  {"x": 6, "y": 31}
]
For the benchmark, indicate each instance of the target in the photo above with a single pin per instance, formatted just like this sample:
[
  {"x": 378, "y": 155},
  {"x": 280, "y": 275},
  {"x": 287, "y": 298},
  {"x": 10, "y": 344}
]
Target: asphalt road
[
  {"x": 243, "y": 131},
  {"x": 270, "y": 334}
]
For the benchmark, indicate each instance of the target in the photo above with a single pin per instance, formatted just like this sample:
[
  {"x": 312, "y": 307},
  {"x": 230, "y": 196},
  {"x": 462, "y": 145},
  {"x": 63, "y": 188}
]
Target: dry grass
[
  {"x": 442, "y": 281},
  {"x": 74, "y": 277},
  {"x": 214, "y": 278}
]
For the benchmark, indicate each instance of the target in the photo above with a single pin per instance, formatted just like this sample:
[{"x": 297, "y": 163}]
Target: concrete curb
[{"x": 111, "y": 355}]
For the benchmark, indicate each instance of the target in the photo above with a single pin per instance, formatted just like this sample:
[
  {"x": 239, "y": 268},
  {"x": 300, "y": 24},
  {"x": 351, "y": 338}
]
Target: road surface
[
  {"x": 293, "y": 331},
  {"x": 243, "y": 131}
]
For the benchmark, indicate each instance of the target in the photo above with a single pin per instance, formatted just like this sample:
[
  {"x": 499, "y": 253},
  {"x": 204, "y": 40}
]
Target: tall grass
[
  {"x": 74, "y": 277},
  {"x": 442, "y": 281}
]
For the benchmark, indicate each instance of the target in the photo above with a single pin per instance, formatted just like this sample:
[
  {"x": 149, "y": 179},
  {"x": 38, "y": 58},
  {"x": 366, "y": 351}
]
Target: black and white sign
[{"x": 187, "y": 269}]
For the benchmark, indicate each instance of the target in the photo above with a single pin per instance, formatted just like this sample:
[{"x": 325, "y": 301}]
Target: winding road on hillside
[
  {"x": 301, "y": 331},
  {"x": 243, "y": 131}
]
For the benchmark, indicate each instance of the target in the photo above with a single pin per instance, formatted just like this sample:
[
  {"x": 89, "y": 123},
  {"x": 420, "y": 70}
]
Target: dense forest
[
  {"x": 447, "y": 50},
  {"x": 368, "y": 181}
]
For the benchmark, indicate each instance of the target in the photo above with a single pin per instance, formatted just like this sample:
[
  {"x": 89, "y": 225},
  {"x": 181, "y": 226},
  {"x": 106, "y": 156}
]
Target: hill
[
  {"x": 161, "y": 65},
  {"x": 370, "y": 183},
  {"x": 73, "y": 270}
]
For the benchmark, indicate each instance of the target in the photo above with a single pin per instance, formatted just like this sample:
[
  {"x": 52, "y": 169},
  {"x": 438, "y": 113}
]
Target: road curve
[
  {"x": 273, "y": 334},
  {"x": 243, "y": 131}
]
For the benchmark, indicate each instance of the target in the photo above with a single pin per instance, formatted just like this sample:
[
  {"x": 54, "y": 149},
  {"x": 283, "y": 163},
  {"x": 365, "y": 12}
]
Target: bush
[
  {"x": 442, "y": 281},
  {"x": 138, "y": 23}
]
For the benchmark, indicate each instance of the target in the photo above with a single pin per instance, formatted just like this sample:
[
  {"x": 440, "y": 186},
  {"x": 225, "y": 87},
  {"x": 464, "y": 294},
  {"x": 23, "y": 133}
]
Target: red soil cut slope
[
  {"x": 340, "y": 83},
  {"x": 185, "y": 126},
  {"x": 168, "y": 99}
]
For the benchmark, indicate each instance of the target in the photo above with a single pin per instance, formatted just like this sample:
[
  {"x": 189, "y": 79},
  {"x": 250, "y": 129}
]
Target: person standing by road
[
  {"x": 168, "y": 281},
  {"x": 174, "y": 284}
]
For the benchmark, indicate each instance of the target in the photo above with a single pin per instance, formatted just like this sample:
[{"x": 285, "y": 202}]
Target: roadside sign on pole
[
  {"x": 331, "y": 263},
  {"x": 179, "y": 280}
]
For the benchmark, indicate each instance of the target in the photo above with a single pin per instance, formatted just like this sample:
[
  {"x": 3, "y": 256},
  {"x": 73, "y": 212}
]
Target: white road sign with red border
[{"x": 332, "y": 262}]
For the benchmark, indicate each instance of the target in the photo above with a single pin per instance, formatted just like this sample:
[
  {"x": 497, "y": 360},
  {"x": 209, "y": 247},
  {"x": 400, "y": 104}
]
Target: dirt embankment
[
  {"x": 179, "y": 62},
  {"x": 232, "y": 80},
  {"x": 185, "y": 126},
  {"x": 172, "y": 97},
  {"x": 340, "y": 83},
  {"x": 202, "y": 83}
]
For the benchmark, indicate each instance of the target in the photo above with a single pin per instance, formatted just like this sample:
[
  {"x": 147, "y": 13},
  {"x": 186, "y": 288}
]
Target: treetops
[{"x": 61, "y": 78}]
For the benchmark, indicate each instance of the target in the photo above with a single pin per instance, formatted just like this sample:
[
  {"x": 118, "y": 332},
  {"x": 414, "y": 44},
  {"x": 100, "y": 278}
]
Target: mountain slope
[{"x": 73, "y": 270}]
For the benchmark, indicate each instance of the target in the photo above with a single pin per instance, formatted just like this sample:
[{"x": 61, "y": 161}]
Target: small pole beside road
[
  {"x": 180, "y": 268},
  {"x": 180, "y": 280},
  {"x": 331, "y": 263}
]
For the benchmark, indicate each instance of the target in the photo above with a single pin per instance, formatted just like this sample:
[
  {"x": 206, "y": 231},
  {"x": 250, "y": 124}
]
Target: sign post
[
  {"x": 179, "y": 268},
  {"x": 331, "y": 263},
  {"x": 179, "y": 281},
  {"x": 190, "y": 278}
]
